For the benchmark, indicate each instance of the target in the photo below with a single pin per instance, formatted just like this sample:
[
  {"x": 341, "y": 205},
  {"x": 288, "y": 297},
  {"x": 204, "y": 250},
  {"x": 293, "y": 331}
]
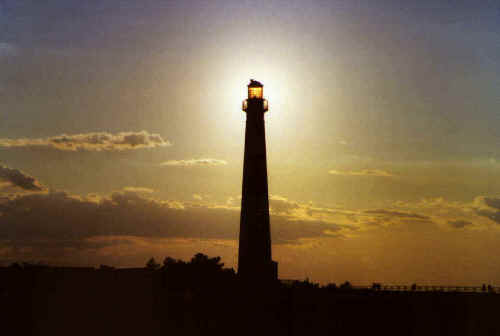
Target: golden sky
[{"x": 121, "y": 134}]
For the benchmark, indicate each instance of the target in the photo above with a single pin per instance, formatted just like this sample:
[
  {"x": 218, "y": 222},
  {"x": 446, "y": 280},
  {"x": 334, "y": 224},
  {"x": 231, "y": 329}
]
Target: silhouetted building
[{"x": 254, "y": 259}]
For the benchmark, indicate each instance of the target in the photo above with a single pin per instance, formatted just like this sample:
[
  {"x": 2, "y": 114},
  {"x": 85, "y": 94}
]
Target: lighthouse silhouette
[{"x": 254, "y": 256}]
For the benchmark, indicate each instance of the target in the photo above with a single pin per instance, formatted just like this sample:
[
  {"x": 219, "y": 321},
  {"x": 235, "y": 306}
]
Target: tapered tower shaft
[{"x": 254, "y": 259}]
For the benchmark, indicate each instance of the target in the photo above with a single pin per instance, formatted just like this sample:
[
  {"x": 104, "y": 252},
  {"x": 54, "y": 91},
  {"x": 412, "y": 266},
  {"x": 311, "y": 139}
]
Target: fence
[{"x": 417, "y": 288}]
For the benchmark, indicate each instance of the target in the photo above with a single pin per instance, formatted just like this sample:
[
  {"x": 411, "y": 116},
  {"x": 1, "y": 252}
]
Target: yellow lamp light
[
  {"x": 255, "y": 90},
  {"x": 255, "y": 99}
]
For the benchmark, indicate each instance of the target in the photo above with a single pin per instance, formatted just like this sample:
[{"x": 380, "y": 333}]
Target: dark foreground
[{"x": 51, "y": 301}]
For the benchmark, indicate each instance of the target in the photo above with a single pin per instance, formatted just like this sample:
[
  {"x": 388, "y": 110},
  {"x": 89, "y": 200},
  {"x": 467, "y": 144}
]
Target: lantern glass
[{"x": 255, "y": 92}]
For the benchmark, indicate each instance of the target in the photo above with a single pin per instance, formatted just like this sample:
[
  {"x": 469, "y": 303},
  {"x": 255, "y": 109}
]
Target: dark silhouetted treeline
[{"x": 201, "y": 297}]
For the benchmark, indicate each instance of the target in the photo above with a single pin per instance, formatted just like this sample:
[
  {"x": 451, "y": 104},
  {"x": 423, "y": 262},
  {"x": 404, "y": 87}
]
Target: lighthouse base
[{"x": 261, "y": 272}]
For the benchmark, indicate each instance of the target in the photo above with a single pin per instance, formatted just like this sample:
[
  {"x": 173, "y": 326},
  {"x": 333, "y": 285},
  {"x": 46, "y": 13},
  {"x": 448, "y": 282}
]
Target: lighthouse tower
[{"x": 254, "y": 258}]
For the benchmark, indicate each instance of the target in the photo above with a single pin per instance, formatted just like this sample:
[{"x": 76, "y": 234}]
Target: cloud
[
  {"x": 390, "y": 213},
  {"x": 488, "y": 207},
  {"x": 139, "y": 190},
  {"x": 281, "y": 205},
  {"x": 124, "y": 223},
  {"x": 19, "y": 179},
  {"x": 95, "y": 141},
  {"x": 482, "y": 214},
  {"x": 69, "y": 217},
  {"x": 492, "y": 202},
  {"x": 194, "y": 162},
  {"x": 459, "y": 224},
  {"x": 364, "y": 172},
  {"x": 393, "y": 220}
]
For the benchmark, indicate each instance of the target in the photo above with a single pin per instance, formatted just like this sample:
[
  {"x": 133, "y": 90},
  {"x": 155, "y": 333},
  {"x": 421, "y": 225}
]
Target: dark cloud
[
  {"x": 492, "y": 202},
  {"x": 459, "y": 224},
  {"x": 389, "y": 213},
  {"x": 493, "y": 215},
  {"x": 95, "y": 141},
  {"x": 59, "y": 216},
  {"x": 19, "y": 179},
  {"x": 286, "y": 231},
  {"x": 489, "y": 207}
]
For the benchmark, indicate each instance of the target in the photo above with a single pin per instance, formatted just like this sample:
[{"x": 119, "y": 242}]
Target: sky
[{"x": 121, "y": 134}]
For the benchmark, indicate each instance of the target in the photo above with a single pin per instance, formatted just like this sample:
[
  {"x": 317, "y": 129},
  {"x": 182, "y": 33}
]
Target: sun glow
[
  {"x": 277, "y": 91},
  {"x": 223, "y": 83}
]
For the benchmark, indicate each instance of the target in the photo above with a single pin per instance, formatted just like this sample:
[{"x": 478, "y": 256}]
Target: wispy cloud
[
  {"x": 364, "y": 172},
  {"x": 94, "y": 141},
  {"x": 19, "y": 179},
  {"x": 194, "y": 162},
  {"x": 140, "y": 190},
  {"x": 390, "y": 213}
]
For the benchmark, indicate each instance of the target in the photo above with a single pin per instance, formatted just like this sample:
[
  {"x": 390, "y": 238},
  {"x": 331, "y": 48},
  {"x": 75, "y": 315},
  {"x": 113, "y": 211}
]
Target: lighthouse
[{"x": 254, "y": 253}]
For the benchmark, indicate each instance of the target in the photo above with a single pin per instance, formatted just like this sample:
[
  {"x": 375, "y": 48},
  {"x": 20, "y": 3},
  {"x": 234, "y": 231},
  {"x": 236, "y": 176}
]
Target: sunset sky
[{"x": 121, "y": 134}]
